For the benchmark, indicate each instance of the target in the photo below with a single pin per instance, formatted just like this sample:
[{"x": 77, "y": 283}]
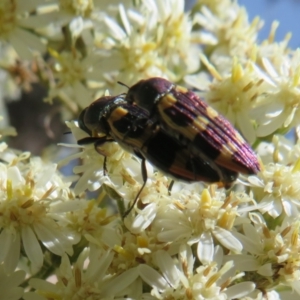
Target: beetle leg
[
  {"x": 97, "y": 141},
  {"x": 87, "y": 140},
  {"x": 145, "y": 177},
  {"x": 170, "y": 187}
]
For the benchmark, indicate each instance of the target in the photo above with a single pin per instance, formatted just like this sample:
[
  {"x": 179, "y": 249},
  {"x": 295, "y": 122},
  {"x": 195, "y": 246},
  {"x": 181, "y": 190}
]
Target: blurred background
[{"x": 39, "y": 124}]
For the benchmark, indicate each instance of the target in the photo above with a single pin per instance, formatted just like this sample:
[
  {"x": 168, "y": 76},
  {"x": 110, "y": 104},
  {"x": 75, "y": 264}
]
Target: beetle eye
[{"x": 82, "y": 123}]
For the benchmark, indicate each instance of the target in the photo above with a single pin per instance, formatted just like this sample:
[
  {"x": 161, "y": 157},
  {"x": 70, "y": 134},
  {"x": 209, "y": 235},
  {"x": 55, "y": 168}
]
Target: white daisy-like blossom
[
  {"x": 33, "y": 197},
  {"x": 79, "y": 15},
  {"x": 235, "y": 95},
  {"x": 279, "y": 108},
  {"x": 94, "y": 224},
  {"x": 229, "y": 33},
  {"x": 276, "y": 188},
  {"x": 155, "y": 39},
  {"x": 92, "y": 282},
  {"x": 270, "y": 256},
  {"x": 72, "y": 73},
  {"x": 280, "y": 150},
  {"x": 16, "y": 27},
  {"x": 180, "y": 279},
  {"x": 9, "y": 284},
  {"x": 202, "y": 220}
]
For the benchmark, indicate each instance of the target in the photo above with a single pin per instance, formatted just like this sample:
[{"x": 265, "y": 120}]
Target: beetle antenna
[{"x": 121, "y": 83}]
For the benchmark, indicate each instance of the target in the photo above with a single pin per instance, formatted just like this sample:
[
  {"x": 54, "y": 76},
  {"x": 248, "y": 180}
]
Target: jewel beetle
[
  {"x": 194, "y": 124},
  {"x": 112, "y": 118}
]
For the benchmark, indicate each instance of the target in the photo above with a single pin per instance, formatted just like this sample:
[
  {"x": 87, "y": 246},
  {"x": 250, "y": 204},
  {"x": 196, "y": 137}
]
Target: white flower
[
  {"x": 281, "y": 150},
  {"x": 277, "y": 151},
  {"x": 93, "y": 282},
  {"x": 57, "y": 13},
  {"x": 180, "y": 279},
  {"x": 271, "y": 254},
  {"x": 278, "y": 109},
  {"x": 9, "y": 284},
  {"x": 228, "y": 25},
  {"x": 154, "y": 40},
  {"x": 93, "y": 223},
  {"x": 276, "y": 188},
  {"x": 15, "y": 20},
  {"x": 30, "y": 197},
  {"x": 200, "y": 221},
  {"x": 72, "y": 73}
]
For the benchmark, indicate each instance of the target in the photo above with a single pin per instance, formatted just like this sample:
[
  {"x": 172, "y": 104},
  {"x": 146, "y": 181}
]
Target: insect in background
[
  {"x": 113, "y": 119},
  {"x": 194, "y": 124}
]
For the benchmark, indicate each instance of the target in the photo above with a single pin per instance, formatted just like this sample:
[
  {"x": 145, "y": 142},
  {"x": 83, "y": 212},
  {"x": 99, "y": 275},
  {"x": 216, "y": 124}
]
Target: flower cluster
[{"x": 74, "y": 237}]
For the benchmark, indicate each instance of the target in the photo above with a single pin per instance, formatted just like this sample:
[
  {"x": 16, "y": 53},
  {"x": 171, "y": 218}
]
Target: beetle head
[{"x": 94, "y": 117}]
